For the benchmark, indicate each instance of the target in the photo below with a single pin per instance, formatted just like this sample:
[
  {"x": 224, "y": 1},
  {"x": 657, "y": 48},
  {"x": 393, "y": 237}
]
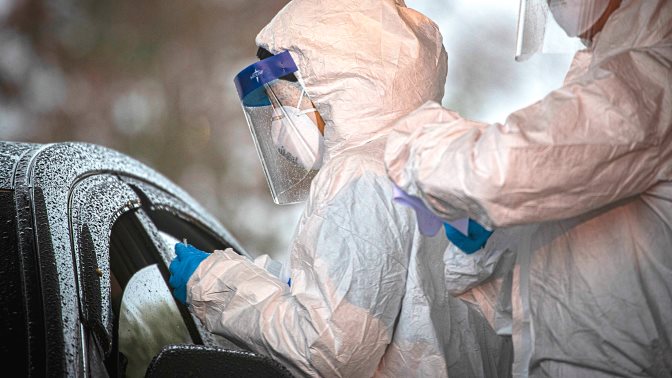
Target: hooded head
[{"x": 364, "y": 63}]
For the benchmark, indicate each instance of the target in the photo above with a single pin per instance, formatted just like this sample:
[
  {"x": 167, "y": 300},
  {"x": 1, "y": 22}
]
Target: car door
[{"x": 90, "y": 233}]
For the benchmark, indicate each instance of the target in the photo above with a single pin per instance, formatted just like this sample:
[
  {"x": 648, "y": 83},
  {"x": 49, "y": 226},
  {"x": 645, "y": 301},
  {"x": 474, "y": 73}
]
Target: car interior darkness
[{"x": 87, "y": 235}]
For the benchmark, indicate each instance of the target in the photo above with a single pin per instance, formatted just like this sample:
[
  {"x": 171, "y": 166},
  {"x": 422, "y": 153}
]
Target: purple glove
[{"x": 428, "y": 223}]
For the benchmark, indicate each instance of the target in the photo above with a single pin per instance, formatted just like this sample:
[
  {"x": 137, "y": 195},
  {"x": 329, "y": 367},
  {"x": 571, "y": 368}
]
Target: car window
[
  {"x": 148, "y": 317},
  {"x": 148, "y": 320}
]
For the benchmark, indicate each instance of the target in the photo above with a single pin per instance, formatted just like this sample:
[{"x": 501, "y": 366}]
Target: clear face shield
[
  {"x": 286, "y": 128},
  {"x": 549, "y": 26}
]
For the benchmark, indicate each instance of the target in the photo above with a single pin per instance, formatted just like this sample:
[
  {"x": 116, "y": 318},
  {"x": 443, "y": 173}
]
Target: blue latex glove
[
  {"x": 182, "y": 267},
  {"x": 475, "y": 240}
]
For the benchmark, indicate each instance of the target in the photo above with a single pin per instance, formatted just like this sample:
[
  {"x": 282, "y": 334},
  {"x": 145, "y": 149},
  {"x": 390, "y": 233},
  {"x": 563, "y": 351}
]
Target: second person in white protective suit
[
  {"x": 580, "y": 184},
  {"x": 368, "y": 292}
]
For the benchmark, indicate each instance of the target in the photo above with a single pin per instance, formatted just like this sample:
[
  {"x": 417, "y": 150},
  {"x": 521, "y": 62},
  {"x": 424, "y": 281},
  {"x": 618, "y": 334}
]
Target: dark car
[{"x": 87, "y": 235}]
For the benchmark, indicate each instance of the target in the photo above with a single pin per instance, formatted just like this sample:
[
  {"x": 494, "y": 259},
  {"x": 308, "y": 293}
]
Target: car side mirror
[{"x": 186, "y": 360}]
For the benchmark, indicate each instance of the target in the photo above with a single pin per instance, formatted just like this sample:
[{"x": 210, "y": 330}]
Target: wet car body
[{"x": 87, "y": 235}]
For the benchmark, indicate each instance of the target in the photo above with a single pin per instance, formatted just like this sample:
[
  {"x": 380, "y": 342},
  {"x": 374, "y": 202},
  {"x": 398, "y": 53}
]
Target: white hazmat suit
[
  {"x": 368, "y": 294},
  {"x": 579, "y": 184}
]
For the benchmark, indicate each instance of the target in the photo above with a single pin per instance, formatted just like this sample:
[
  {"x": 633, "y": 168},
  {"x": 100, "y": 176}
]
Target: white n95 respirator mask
[
  {"x": 576, "y": 17},
  {"x": 286, "y": 127},
  {"x": 297, "y": 136}
]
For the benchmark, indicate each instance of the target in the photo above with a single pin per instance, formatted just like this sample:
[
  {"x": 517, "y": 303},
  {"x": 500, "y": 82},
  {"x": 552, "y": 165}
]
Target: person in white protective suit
[
  {"x": 578, "y": 190},
  {"x": 367, "y": 294}
]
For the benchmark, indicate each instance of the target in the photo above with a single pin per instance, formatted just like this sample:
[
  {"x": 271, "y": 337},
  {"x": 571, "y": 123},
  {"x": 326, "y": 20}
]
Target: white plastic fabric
[
  {"x": 368, "y": 294},
  {"x": 578, "y": 188}
]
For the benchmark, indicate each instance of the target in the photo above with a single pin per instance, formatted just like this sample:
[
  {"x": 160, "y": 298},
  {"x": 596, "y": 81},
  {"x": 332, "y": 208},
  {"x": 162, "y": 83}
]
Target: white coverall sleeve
[
  {"x": 241, "y": 301},
  {"x": 345, "y": 296},
  {"x": 598, "y": 139}
]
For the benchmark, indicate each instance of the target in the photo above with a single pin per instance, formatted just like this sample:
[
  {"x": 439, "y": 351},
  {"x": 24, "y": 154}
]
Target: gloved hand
[
  {"x": 428, "y": 223},
  {"x": 182, "y": 267},
  {"x": 475, "y": 240}
]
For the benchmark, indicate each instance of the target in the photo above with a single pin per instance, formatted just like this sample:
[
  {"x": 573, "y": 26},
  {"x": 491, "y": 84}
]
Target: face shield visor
[
  {"x": 548, "y": 26},
  {"x": 286, "y": 128}
]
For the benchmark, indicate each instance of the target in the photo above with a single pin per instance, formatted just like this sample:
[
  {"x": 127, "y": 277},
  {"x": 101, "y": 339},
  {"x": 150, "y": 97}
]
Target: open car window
[
  {"x": 148, "y": 317},
  {"x": 148, "y": 320}
]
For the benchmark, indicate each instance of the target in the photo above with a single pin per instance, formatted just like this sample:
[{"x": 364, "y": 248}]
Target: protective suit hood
[
  {"x": 364, "y": 63},
  {"x": 634, "y": 24}
]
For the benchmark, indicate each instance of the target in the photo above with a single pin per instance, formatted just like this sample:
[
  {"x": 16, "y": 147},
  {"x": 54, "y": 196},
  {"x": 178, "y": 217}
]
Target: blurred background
[{"x": 154, "y": 79}]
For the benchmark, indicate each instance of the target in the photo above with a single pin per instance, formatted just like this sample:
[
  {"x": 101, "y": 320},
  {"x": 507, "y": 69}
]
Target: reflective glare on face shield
[
  {"x": 285, "y": 126},
  {"x": 538, "y": 31}
]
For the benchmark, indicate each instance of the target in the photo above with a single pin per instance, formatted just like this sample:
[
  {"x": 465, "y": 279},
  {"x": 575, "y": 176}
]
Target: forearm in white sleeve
[{"x": 600, "y": 138}]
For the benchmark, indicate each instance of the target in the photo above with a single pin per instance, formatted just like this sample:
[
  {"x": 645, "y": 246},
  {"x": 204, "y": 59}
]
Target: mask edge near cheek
[{"x": 295, "y": 143}]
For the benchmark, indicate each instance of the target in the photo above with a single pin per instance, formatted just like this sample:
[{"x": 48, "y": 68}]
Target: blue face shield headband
[{"x": 251, "y": 80}]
